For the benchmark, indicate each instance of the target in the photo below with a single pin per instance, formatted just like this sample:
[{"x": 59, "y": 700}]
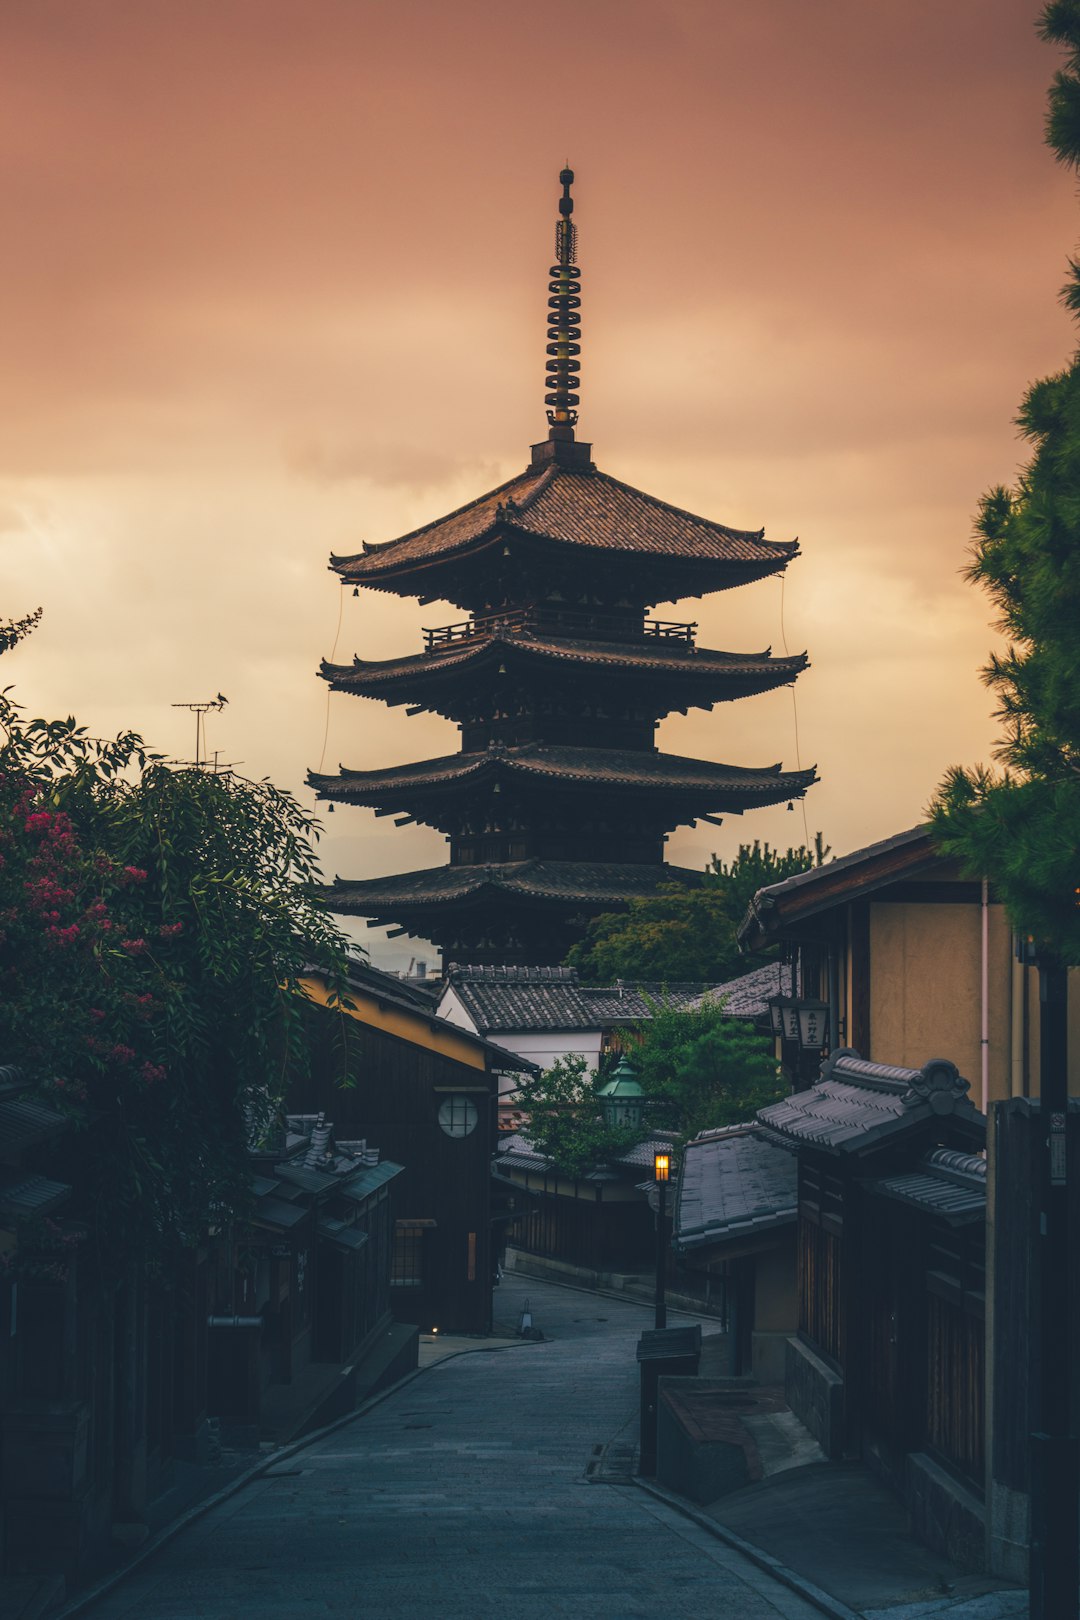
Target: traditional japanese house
[
  {"x": 386, "y": 1065},
  {"x": 887, "y": 1361},
  {"x": 595, "y": 1228},
  {"x": 559, "y": 803},
  {"x": 909, "y": 958},
  {"x": 735, "y": 1217},
  {"x": 299, "y": 1319},
  {"x": 546, "y": 1013}
]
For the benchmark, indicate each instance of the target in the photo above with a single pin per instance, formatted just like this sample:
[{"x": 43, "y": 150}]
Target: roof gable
[
  {"x": 577, "y": 507},
  {"x": 854, "y": 1105}
]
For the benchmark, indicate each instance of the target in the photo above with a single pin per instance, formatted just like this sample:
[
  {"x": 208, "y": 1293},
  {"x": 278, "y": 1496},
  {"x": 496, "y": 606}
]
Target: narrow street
[{"x": 464, "y": 1493}]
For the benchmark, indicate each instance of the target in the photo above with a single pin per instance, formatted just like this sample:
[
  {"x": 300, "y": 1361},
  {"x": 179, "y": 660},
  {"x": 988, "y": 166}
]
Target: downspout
[
  {"x": 985, "y": 996},
  {"x": 1016, "y": 1026}
]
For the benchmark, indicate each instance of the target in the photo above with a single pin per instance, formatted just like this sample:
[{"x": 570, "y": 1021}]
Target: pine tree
[{"x": 1021, "y": 825}]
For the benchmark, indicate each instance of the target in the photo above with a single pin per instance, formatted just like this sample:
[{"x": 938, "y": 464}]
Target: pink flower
[
  {"x": 152, "y": 1073},
  {"x": 134, "y": 874},
  {"x": 170, "y": 930},
  {"x": 121, "y": 1054},
  {"x": 134, "y": 947},
  {"x": 97, "y": 1014},
  {"x": 38, "y": 821}
]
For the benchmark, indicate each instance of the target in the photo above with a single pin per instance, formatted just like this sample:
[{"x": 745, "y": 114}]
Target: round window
[{"x": 458, "y": 1116}]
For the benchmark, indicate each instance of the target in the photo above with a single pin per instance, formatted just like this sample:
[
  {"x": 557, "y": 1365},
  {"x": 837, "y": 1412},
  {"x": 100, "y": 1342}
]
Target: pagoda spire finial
[{"x": 564, "y": 323}]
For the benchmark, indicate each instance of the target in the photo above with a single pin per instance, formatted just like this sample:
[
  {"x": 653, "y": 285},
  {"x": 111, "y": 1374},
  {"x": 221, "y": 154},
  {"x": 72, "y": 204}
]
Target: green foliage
[
  {"x": 12, "y": 631},
  {"x": 682, "y": 935},
  {"x": 154, "y": 926},
  {"x": 704, "y": 1068},
  {"x": 565, "y": 1120},
  {"x": 1021, "y": 826}
]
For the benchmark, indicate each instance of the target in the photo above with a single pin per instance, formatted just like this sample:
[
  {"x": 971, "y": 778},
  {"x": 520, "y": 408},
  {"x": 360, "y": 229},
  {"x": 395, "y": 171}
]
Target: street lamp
[
  {"x": 661, "y": 1174},
  {"x": 622, "y": 1098},
  {"x": 813, "y": 1017}
]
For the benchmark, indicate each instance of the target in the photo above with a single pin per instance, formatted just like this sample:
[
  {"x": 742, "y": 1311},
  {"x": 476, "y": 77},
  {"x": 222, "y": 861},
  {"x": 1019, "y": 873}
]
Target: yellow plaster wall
[
  {"x": 925, "y": 994},
  {"x": 419, "y": 1028}
]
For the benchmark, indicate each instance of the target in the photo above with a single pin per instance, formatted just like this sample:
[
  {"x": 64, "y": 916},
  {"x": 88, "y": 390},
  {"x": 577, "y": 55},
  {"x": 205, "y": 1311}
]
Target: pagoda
[{"x": 558, "y": 804}]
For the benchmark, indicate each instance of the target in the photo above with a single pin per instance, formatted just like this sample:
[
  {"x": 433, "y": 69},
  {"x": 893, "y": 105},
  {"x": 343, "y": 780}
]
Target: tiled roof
[
  {"x": 528, "y": 998},
  {"x": 412, "y": 996},
  {"x": 24, "y": 1122},
  {"x": 368, "y": 1180},
  {"x": 347, "y": 1237},
  {"x": 517, "y": 1152},
  {"x": 747, "y": 996},
  {"x": 635, "y": 770},
  {"x": 588, "y": 509},
  {"x": 592, "y": 882},
  {"x": 712, "y": 670},
  {"x": 890, "y": 860},
  {"x": 24, "y": 1193},
  {"x": 733, "y": 1182},
  {"x": 946, "y": 1183},
  {"x": 856, "y": 1105}
]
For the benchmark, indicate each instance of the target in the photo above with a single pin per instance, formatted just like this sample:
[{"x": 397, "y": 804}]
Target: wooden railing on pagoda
[{"x": 606, "y": 626}]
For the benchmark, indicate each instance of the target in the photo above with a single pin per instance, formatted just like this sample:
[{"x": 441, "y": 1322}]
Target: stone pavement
[
  {"x": 495, "y": 1483},
  {"x": 465, "y": 1493}
]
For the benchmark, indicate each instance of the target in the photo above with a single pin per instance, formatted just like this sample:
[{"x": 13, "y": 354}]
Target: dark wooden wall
[{"x": 388, "y": 1090}]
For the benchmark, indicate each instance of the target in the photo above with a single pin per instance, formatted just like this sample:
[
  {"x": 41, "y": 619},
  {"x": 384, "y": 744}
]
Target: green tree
[
  {"x": 154, "y": 927},
  {"x": 566, "y": 1124},
  {"x": 682, "y": 934},
  {"x": 704, "y": 1068},
  {"x": 1020, "y": 825}
]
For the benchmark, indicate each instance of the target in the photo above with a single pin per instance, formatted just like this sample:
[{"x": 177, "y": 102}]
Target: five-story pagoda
[{"x": 558, "y": 805}]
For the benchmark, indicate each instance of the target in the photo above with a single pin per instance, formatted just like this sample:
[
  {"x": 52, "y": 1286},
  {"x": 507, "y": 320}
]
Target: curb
[
  {"x": 764, "y": 1561},
  {"x": 101, "y": 1588}
]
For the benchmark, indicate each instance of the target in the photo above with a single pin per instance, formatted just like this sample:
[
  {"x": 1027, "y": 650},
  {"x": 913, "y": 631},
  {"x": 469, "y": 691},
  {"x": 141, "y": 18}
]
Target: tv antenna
[{"x": 200, "y": 710}]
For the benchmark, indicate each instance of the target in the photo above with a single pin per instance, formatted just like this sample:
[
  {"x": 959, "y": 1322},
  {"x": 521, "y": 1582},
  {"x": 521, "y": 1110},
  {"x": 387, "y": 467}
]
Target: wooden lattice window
[{"x": 820, "y": 1312}]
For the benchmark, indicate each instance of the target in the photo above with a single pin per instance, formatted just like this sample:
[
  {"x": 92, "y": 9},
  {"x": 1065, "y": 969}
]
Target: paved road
[{"x": 464, "y": 1494}]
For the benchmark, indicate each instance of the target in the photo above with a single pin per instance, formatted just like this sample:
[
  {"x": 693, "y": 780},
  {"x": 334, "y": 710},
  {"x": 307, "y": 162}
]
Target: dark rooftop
[
  {"x": 530, "y": 998},
  {"x": 747, "y": 996},
  {"x": 890, "y": 860},
  {"x": 656, "y": 657},
  {"x": 581, "y": 508},
  {"x": 734, "y": 1182},
  {"x": 516, "y": 1152},
  {"x": 592, "y": 882},
  {"x": 728, "y": 786},
  {"x": 946, "y": 1183},
  {"x": 856, "y": 1105}
]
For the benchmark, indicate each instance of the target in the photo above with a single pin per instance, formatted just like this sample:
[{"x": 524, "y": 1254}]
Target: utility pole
[{"x": 1055, "y": 1454}]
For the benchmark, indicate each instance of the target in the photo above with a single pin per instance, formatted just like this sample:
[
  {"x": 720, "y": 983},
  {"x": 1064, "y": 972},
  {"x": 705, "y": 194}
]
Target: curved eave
[
  {"x": 668, "y": 576},
  {"x": 697, "y": 678},
  {"x": 683, "y": 786},
  {"x": 536, "y": 884}
]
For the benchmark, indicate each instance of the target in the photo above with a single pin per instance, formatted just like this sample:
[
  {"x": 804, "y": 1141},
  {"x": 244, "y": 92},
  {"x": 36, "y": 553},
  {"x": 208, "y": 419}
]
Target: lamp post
[
  {"x": 622, "y": 1099},
  {"x": 662, "y": 1174}
]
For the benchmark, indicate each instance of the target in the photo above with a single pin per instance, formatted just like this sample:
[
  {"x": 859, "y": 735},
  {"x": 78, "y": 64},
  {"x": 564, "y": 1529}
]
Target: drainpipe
[
  {"x": 985, "y": 992},
  {"x": 1016, "y": 1027}
]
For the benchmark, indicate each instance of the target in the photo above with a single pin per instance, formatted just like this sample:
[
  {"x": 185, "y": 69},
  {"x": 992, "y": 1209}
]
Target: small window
[
  {"x": 458, "y": 1116},
  {"x": 407, "y": 1260}
]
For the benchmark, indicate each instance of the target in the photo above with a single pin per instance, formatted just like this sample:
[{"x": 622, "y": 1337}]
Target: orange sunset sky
[{"x": 275, "y": 283}]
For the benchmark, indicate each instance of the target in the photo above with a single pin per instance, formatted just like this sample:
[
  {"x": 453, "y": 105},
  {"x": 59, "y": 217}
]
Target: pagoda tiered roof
[
  {"x": 633, "y": 772},
  {"x": 583, "y": 510},
  {"x": 597, "y": 885},
  {"x": 676, "y": 673}
]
